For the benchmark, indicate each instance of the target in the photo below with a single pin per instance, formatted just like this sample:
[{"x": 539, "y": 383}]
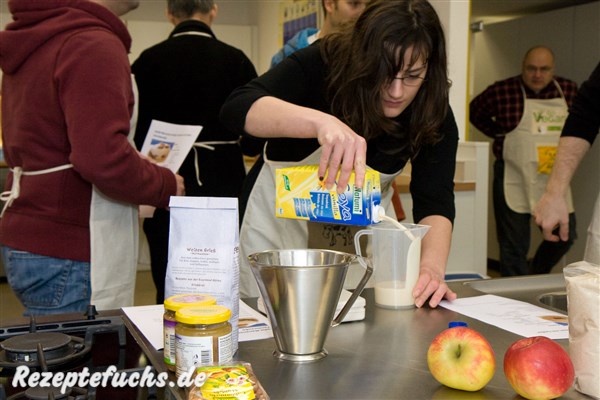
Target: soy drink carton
[{"x": 301, "y": 195}]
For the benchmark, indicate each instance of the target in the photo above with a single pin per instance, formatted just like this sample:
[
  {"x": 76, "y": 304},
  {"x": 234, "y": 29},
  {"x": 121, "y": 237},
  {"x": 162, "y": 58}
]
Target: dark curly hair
[{"x": 370, "y": 54}]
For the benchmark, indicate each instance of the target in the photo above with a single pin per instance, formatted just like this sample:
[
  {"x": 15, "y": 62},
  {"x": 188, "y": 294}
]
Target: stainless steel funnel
[{"x": 301, "y": 289}]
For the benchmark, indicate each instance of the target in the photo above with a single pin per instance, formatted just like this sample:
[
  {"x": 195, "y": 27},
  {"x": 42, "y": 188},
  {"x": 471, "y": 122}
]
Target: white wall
[
  {"x": 268, "y": 36},
  {"x": 148, "y": 33},
  {"x": 454, "y": 16},
  {"x": 498, "y": 50}
]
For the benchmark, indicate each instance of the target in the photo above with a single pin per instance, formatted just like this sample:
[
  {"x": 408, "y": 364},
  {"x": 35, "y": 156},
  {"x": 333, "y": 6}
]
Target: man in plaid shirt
[{"x": 524, "y": 114}]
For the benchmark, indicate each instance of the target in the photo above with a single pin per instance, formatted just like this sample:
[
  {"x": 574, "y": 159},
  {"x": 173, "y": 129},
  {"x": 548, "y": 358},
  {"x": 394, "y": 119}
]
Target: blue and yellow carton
[{"x": 301, "y": 195}]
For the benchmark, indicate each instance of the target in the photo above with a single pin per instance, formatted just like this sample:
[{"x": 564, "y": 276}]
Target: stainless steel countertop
[{"x": 381, "y": 357}]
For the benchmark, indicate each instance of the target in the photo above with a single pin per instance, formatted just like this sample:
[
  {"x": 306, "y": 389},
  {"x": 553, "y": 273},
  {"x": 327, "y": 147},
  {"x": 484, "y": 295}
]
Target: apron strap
[
  {"x": 208, "y": 146},
  {"x": 562, "y": 95},
  {"x": 9, "y": 196}
]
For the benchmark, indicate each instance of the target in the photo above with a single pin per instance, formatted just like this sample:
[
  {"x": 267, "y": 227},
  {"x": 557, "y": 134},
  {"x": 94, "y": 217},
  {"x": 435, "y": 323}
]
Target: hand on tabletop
[{"x": 431, "y": 284}]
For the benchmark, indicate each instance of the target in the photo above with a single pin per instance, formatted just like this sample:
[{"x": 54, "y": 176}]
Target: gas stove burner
[
  {"x": 39, "y": 393},
  {"x": 55, "y": 348},
  {"x": 75, "y": 327}
]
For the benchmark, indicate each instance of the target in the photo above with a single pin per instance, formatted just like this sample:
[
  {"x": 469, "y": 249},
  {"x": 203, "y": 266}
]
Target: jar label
[
  {"x": 192, "y": 351},
  {"x": 225, "y": 348},
  {"x": 169, "y": 346}
]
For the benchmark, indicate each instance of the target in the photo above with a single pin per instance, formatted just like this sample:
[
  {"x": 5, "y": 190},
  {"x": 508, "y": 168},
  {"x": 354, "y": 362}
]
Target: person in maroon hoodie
[{"x": 69, "y": 224}]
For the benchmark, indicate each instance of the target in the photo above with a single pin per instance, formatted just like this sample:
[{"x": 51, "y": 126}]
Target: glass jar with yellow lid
[
  {"x": 172, "y": 304},
  {"x": 202, "y": 336}
]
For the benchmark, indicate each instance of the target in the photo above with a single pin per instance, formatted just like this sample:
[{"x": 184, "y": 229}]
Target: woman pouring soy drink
[{"x": 373, "y": 95}]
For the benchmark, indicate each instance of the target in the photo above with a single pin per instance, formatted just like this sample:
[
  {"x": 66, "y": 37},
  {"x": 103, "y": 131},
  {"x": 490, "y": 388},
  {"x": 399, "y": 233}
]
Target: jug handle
[
  {"x": 357, "y": 236},
  {"x": 365, "y": 262}
]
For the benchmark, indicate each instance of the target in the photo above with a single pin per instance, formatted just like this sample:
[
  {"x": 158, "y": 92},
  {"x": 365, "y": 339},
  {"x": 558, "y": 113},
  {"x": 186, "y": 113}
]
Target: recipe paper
[
  {"x": 515, "y": 316},
  {"x": 149, "y": 320},
  {"x": 168, "y": 144}
]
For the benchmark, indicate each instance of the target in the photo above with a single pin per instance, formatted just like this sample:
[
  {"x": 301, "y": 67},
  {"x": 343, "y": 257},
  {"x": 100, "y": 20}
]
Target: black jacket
[{"x": 185, "y": 80}]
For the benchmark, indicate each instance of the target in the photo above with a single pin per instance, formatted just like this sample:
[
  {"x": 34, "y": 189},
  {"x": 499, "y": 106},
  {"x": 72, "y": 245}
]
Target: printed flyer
[{"x": 168, "y": 144}]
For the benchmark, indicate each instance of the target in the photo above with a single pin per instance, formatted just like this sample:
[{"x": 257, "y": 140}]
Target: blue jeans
[
  {"x": 47, "y": 285},
  {"x": 514, "y": 236}
]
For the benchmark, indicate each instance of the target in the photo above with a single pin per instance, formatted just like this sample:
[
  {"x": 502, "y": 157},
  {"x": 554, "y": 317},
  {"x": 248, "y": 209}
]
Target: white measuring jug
[{"x": 396, "y": 254}]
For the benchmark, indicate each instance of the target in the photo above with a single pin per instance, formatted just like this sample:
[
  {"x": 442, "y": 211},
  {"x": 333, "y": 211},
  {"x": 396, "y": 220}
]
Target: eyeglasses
[
  {"x": 411, "y": 80},
  {"x": 531, "y": 69}
]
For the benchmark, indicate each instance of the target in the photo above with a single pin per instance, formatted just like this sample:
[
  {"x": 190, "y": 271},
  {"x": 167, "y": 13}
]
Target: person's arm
[
  {"x": 342, "y": 148},
  {"x": 100, "y": 150},
  {"x": 577, "y": 136},
  {"x": 432, "y": 190},
  {"x": 284, "y": 103},
  {"x": 245, "y": 72},
  {"x": 482, "y": 112},
  {"x": 435, "y": 249},
  {"x": 551, "y": 210}
]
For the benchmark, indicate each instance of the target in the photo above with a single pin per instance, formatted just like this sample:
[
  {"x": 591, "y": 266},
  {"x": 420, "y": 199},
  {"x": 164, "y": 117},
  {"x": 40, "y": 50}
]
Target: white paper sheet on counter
[
  {"x": 149, "y": 320},
  {"x": 514, "y": 316}
]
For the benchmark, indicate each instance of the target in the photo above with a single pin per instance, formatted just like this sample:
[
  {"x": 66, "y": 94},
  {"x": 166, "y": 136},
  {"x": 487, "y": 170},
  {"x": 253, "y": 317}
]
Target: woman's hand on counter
[
  {"x": 434, "y": 257},
  {"x": 431, "y": 286}
]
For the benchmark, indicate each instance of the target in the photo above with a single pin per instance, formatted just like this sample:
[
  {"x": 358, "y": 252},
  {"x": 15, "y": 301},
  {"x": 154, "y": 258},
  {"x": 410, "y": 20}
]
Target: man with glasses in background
[{"x": 525, "y": 114}]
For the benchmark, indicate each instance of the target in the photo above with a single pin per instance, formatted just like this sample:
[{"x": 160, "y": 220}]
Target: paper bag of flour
[
  {"x": 204, "y": 255},
  {"x": 583, "y": 300}
]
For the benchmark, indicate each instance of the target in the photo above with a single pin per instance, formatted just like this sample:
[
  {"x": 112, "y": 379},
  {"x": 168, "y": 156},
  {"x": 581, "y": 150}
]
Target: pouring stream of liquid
[{"x": 397, "y": 224}]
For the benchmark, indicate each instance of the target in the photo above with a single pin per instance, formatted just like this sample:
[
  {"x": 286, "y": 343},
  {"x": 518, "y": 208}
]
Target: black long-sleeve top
[
  {"x": 185, "y": 80},
  {"x": 584, "y": 115},
  {"x": 300, "y": 79}
]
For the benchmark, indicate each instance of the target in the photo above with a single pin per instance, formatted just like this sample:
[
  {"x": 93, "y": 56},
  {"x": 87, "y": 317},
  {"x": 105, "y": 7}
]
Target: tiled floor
[{"x": 10, "y": 307}]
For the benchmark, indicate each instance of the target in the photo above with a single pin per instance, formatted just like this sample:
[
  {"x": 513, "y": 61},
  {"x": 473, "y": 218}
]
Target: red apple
[
  {"x": 538, "y": 368},
  {"x": 461, "y": 358}
]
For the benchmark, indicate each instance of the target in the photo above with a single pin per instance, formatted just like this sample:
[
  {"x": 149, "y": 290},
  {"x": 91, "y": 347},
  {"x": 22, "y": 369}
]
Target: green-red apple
[
  {"x": 461, "y": 358},
  {"x": 538, "y": 368}
]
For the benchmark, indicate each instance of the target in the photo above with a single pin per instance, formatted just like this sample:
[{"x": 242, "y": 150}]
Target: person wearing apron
[
  {"x": 396, "y": 97},
  {"x": 176, "y": 84},
  {"x": 525, "y": 115},
  {"x": 69, "y": 225},
  {"x": 578, "y": 135}
]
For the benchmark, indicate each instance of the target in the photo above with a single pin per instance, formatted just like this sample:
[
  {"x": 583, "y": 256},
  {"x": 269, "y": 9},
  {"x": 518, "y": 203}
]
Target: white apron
[
  {"x": 261, "y": 230},
  {"x": 529, "y": 152},
  {"x": 113, "y": 243},
  {"x": 114, "y": 237},
  {"x": 592, "y": 247}
]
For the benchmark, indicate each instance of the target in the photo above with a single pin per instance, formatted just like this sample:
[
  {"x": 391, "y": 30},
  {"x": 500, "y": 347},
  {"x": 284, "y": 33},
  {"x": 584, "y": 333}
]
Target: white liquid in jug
[{"x": 397, "y": 293}]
